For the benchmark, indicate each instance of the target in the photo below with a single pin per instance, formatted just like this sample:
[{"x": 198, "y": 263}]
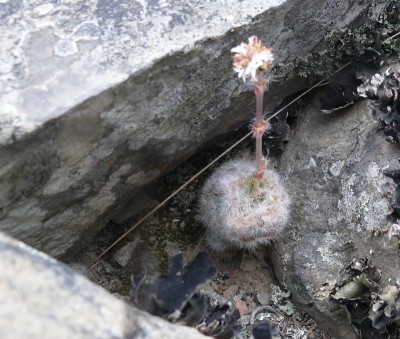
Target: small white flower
[
  {"x": 239, "y": 49},
  {"x": 251, "y": 58}
]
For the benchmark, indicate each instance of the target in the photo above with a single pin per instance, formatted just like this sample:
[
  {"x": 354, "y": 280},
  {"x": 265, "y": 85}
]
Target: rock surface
[
  {"x": 333, "y": 172},
  {"x": 100, "y": 99},
  {"x": 42, "y": 298}
]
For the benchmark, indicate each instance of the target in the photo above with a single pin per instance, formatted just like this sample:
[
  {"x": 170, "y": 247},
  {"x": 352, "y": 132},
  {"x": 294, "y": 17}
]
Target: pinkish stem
[{"x": 260, "y": 124}]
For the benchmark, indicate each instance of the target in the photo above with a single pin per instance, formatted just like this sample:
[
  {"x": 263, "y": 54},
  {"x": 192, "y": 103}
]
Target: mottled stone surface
[
  {"x": 100, "y": 98},
  {"x": 42, "y": 298},
  {"x": 333, "y": 172}
]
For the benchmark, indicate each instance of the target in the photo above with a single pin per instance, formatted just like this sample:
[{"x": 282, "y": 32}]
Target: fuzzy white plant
[
  {"x": 240, "y": 211},
  {"x": 243, "y": 204}
]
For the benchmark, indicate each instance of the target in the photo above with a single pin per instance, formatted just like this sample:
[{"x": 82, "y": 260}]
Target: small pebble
[
  {"x": 264, "y": 298},
  {"x": 214, "y": 285},
  {"x": 124, "y": 254},
  {"x": 245, "y": 320},
  {"x": 232, "y": 274},
  {"x": 222, "y": 287},
  {"x": 229, "y": 281},
  {"x": 248, "y": 299},
  {"x": 242, "y": 307},
  {"x": 252, "y": 306},
  {"x": 231, "y": 291},
  {"x": 249, "y": 266}
]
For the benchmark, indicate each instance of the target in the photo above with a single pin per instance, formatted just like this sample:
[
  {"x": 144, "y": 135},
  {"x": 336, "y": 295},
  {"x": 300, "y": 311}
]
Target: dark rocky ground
[
  {"x": 333, "y": 167},
  {"x": 243, "y": 276}
]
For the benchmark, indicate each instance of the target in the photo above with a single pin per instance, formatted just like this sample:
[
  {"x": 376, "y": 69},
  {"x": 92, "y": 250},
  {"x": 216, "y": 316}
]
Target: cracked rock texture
[
  {"x": 42, "y": 298},
  {"x": 100, "y": 98},
  {"x": 333, "y": 172}
]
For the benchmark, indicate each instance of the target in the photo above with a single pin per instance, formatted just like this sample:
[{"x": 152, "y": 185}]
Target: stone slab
[
  {"x": 42, "y": 298},
  {"x": 100, "y": 98},
  {"x": 333, "y": 169}
]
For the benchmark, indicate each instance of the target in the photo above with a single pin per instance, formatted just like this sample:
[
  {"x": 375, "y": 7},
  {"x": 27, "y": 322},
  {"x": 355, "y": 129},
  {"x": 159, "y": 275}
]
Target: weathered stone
[
  {"x": 100, "y": 99},
  {"x": 333, "y": 172},
  {"x": 123, "y": 255},
  {"x": 42, "y": 298},
  {"x": 264, "y": 298}
]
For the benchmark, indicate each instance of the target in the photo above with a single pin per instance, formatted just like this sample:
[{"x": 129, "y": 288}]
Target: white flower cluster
[{"x": 251, "y": 58}]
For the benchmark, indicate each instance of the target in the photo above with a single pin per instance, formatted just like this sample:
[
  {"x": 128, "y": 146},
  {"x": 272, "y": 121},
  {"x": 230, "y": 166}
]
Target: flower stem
[{"x": 260, "y": 124}]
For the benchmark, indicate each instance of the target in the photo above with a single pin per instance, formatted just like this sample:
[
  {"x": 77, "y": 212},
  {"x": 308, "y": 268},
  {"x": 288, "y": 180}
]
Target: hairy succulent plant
[
  {"x": 241, "y": 211},
  {"x": 243, "y": 204}
]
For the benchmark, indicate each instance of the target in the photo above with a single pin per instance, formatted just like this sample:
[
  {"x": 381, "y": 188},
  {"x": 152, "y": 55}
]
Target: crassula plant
[{"x": 243, "y": 203}]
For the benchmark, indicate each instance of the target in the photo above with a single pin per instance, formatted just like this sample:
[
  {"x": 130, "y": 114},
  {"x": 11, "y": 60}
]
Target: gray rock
[
  {"x": 99, "y": 100},
  {"x": 336, "y": 203},
  {"x": 264, "y": 298},
  {"x": 42, "y": 298},
  {"x": 124, "y": 254}
]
